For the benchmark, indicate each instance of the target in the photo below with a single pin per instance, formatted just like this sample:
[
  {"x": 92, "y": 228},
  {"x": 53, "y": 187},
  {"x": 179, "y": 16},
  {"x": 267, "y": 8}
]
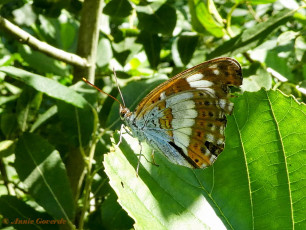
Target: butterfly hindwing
[{"x": 194, "y": 126}]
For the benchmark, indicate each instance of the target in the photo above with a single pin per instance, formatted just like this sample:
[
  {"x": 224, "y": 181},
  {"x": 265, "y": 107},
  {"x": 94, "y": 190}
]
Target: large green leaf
[
  {"x": 45, "y": 85},
  {"x": 252, "y": 36},
  {"x": 40, "y": 168},
  {"x": 258, "y": 182}
]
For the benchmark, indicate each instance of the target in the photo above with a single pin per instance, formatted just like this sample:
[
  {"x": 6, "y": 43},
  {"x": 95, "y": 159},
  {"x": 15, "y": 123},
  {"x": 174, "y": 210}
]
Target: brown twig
[{"x": 43, "y": 47}]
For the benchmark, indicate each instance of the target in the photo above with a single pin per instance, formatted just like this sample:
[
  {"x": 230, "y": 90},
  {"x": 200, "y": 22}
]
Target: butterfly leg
[
  {"x": 137, "y": 168},
  {"x": 120, "y": 138},
  {"x": 153, "y": 159}
]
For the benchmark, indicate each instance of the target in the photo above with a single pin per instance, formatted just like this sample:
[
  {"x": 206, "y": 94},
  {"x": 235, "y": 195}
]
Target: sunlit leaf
[
  {"x": 105, "y": 52},
  {"x": 255, "y": 81},
  {"x": 7, "y": 148},
  {"x": 202, "y": 18}
]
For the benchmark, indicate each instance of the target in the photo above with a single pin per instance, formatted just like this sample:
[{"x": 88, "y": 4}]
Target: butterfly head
[{"x": 124, "y": 112}]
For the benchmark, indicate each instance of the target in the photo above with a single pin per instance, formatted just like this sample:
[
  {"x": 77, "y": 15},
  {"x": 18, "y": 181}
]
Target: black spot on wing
[
  {"x": 188, "y": 159},
  {"x": 214, "y": 148}
]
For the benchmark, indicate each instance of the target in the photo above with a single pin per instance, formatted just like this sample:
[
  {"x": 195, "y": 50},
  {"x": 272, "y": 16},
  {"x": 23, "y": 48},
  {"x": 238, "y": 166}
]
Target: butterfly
[{"x": 185, "y": 117}]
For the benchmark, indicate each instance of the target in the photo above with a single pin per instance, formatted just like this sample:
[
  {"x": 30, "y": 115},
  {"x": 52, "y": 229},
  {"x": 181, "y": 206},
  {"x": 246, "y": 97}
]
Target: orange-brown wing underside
[{"x": 229, "y": 73}]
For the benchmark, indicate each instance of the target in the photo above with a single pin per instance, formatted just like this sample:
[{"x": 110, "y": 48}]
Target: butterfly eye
[
  {"x": 123, "y": 111},
  {"x": 122, "y": 115}
]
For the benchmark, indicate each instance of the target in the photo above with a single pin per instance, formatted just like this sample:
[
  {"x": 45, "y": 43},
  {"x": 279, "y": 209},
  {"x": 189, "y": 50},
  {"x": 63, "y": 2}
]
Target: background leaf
[
  {"x": 251, "y": 37},
  {"x": 45, "y": 85},
  {"x": 118, "y": 8},
  {"x": 201, "y": 17},
  {"x": 255, "y": 78},
  {"x": 152, "y": 47},
  {"x": 183, "y": 49},
  {"x": 13, "y": 209},
  {"x": 42, "y": 62},
  {"x": 105, "y": 52},
  {"x": 162, "y": 21},
  {"x": 41, "y": 169}
]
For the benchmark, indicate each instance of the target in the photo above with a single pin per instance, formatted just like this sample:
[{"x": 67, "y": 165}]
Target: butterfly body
[{"x": 184, "y": 117}]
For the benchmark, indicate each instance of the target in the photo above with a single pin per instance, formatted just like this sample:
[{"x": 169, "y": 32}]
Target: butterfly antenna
[
  {"x": 115, "y": 75},
  {"x": 89, "y": 83}
]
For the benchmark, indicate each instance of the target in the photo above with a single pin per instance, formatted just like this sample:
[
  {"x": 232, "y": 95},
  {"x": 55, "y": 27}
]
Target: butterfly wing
[
  {"x": 214, "y": 76},
  {"x": 184, "y": 117}
]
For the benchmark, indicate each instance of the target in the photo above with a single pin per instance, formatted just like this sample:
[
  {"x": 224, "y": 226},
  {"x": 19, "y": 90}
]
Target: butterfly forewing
[
  {"x": 184, "y": 117},
  {"x": 214, "y": 76}
]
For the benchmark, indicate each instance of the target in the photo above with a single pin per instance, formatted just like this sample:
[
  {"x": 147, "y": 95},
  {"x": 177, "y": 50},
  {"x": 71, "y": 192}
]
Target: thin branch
[
  {"x": 251, "y": 10},
  {"x": 88, "y": 38},
  {"x": 43, "y": 47}
]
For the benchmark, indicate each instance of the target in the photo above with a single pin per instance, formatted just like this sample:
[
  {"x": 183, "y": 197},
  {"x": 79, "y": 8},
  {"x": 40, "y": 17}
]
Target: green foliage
[
  {"x": 203, "y": 19},
  {"x": 57, "y": 153},
  {"x": 161, "y": 21},
  {"x": 251, "y": 37},
  {"x": 12, "y": 207},
  {"x": 42, "y": 171},
  {"x": 45, "y": 85}
]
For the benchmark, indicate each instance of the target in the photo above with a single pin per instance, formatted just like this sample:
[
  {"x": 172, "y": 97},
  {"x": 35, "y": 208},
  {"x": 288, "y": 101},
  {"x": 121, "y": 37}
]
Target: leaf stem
[
  {"x": 90, "y": 174},
  {"x": 229, "y": 18}
]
